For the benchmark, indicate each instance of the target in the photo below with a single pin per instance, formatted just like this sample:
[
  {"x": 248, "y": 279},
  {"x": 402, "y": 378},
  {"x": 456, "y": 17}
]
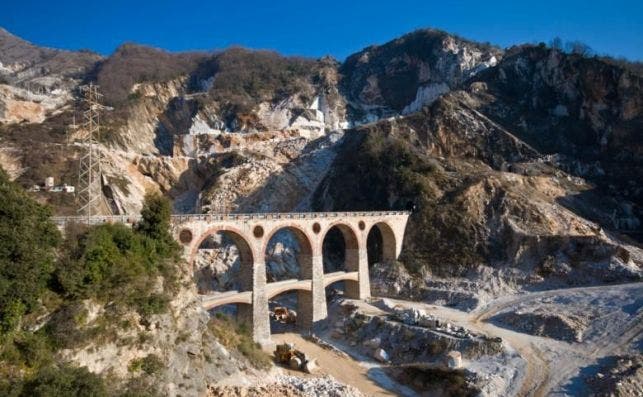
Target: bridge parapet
[{"x": 182, "y": 218}]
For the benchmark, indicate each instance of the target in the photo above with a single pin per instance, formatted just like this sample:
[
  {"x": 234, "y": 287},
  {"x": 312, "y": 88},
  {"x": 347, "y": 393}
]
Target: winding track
[{"x": 549, "y": 362}]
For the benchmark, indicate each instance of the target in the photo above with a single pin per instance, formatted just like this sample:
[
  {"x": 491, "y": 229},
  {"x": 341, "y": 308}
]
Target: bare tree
[
  {"x": 579, "y": 48},
  {"x": 556, "y": 43}
]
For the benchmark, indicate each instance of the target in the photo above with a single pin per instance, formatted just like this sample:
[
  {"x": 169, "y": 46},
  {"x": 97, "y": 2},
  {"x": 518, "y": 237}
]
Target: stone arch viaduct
[{"x": 251, "y": 234}]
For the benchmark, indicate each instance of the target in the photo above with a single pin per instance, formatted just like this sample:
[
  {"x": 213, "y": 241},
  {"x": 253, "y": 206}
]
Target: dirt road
[
  {"x": 549, "y": 362},
  {"x": 340, "y": 366}
]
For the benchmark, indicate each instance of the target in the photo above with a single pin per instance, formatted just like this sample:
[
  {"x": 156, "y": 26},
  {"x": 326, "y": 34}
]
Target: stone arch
[
  {"x": 350, "y": 244},
  {"x": 303, "y": 285},
  {"x": 286, "y": 289},
  {"x": 350, "y": 258},
  {"x": 304, "y": 308},
  {"x": 338, "y": 278},
  {"x": 306, "y": 247},
  {"x": 246, "y": 255},
  {"x": 383, "y": 248}
]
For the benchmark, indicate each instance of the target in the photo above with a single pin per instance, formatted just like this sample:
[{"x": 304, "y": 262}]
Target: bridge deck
[
  {"x": 330, "y": 278},
  {"x": 273, "y": 289},
  {"x": 211, "y": 301},
  {"x": 61, "y": 220}
]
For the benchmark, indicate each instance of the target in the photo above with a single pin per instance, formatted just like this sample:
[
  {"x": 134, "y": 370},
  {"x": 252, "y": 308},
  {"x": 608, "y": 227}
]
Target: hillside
[{"x": 522, "y": 165}]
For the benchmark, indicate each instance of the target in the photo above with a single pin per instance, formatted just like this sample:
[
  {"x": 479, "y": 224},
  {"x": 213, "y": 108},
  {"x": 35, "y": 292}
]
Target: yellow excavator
[{"x": 286, "y": 354}]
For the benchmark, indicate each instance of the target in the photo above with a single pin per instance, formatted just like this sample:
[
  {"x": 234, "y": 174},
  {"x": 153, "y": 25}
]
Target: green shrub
[
  {"x": 113, "y": 262},
  {"x": 28, "y": 239},
  {"x": 150, "y": 364},
  {"x": 64, "y": 381},
  {"x": 238, "y": 337},
  {"x": 155, "y": 224},
  {"x": 152, "y": 304},
  {"x": 34, "y": 349},
  {"x": 25, "y": 350}
]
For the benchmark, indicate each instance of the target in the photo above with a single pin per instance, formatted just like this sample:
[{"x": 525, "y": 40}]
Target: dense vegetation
[
  {"x": 257, "y": 75},
  {"x": 241, "y": 78},
  {"x": 132, "y": 63},
  {"x": 45, "y": 284},
  {"x": 27, "y": 242},
  {"x": 113, "y": 263},
  {"x": 376, "y": 171}
]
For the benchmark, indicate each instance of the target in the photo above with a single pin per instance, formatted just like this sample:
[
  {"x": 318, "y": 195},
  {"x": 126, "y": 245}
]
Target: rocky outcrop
[
  {"x": 544, "y": 322},
  {"x": 486, "y": 194},
  {"x": 190, "y": 358},
  {"x": 410, "y": 72},
  {"x": 616, "y": 376},
  {"x": 406, "y": 344},
  {"x": 582, "y": 112}
]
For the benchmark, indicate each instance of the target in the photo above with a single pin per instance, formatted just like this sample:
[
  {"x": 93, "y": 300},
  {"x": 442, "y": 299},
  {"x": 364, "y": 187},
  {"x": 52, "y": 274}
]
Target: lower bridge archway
[
  {"x": 288, "y": 254},
  {"x": 222, "y": 262}
]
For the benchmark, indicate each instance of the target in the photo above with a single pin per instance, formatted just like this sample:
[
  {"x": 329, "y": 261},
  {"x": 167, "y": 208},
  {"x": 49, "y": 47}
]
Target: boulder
[
  {"x": 454, "y": 359},
  {"x": 372, "y": 343},
  {"x": 381, "y": 355}
]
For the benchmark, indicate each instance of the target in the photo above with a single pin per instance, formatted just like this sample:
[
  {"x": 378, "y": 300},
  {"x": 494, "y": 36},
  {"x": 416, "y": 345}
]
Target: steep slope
[
  {"x": 36, "y": 81},
  {"x": 583, "y": 112},
  {"x": 22, "y": 62},
  {"x": 494, "y": 190}
]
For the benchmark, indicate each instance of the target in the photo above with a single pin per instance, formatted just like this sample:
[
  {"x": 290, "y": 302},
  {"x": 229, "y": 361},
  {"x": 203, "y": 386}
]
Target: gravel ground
[{"x": 289, "y": 386}]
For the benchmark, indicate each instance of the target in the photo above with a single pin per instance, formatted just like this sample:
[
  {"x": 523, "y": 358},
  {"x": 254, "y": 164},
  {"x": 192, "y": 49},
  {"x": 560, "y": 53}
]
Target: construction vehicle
[
  {"x": 282, "y": 314},
  {"x": 286, "y": 354}
]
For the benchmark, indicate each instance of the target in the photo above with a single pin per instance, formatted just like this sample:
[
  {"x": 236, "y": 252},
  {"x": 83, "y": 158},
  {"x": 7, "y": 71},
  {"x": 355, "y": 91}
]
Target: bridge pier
[
  {"x": 259, "y": 308},
  {"x": 311, "y": 305},
  {"x": 318, "y": 296},
  {"x": 357, "y": 261},
  {"x": 364, "y": 277}
]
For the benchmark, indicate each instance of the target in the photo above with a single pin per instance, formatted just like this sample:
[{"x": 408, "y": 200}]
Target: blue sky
[{"x": 316, "y": 28}]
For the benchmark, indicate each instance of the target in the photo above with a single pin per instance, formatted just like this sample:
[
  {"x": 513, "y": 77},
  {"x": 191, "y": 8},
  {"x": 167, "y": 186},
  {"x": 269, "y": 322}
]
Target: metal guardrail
[{"x": 95, "y": 220}]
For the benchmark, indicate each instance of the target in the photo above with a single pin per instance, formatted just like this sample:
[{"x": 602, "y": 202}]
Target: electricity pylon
[{"x": 90, "y": 193}]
